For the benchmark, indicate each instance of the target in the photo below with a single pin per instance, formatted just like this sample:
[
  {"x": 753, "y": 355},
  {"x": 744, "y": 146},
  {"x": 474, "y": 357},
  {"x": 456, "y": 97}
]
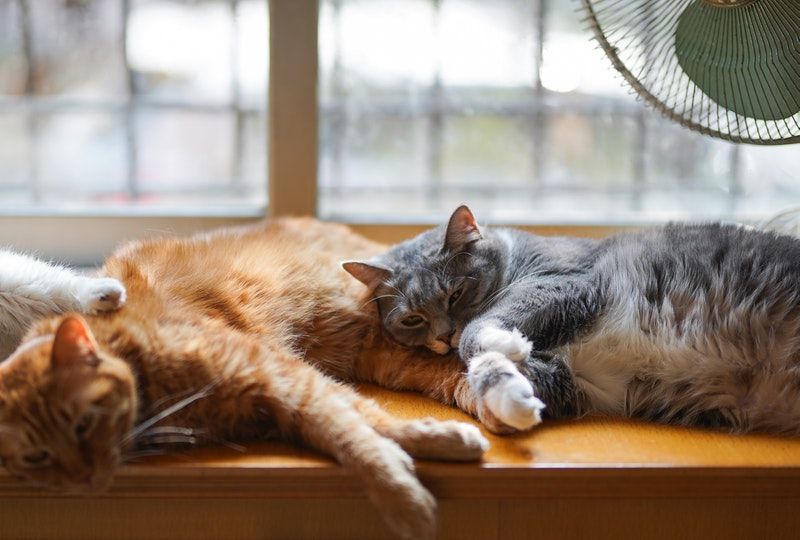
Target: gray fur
[{"x": 689, "y": 324}]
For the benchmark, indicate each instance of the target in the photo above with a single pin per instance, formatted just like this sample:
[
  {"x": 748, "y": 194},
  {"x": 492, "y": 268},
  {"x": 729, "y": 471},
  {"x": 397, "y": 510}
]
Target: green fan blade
[{"x": 745, "y": 58}]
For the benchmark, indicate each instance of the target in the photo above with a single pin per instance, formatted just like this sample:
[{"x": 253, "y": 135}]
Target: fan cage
[{"x": 638, "y": 38}]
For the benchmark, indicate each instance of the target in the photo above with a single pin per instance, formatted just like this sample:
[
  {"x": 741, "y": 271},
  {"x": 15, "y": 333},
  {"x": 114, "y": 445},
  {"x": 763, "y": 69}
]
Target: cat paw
[
  {"x": 435, "y": 439},
  {"x": 403, "y": 502},
  {"x": 101, "y": 294},
  {"x": 510, "y": 343},
  {"x": 506, "y": 395},
  {"x": 514, "y": 404}
]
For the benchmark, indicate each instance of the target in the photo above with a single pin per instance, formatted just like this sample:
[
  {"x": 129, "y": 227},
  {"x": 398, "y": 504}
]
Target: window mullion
[{"x": 293, "y": 107}]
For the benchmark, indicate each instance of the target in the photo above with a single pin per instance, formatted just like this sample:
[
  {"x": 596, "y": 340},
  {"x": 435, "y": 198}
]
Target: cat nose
[{"x": 446, "y": 336}]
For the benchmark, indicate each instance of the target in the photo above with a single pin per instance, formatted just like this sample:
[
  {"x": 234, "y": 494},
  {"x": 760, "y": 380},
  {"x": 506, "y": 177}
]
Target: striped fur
[{"x": 238, "y": 334}]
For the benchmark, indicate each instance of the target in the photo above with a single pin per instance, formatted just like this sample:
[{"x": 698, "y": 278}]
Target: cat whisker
[
  {"x": 232, "y": 445},
  {"x": 139, "y": 454},
  {"x": 150, "y": 422},
  {"x": 395, "y": 289},
  {"x": 392, "y": 311},
  {"x": 434, "y": 274},
  {"x": 505, "y": 289},
  {"x": 173, "y": 430},
  {"x": 444, "y": 269},
  {"x": 152, "y": 442},
  {"x": 170, "y": 439},
  {"x": 379, "y": 297},
  {"x": 177, "y": 395}
]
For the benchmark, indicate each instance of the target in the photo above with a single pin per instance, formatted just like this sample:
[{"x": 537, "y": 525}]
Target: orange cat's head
[{"x": 65, "y": 408}]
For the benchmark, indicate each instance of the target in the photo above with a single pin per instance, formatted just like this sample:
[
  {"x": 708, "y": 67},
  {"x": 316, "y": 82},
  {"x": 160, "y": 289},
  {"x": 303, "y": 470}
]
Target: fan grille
[{"x": 677, "y": 54}]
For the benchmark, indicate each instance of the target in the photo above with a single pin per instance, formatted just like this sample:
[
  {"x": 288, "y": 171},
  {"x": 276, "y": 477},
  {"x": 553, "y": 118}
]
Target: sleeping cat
[
  {"x": 218, "y": 341},
  {"x": 689, "y": 324},
  {"x": 31, "y": 289}
]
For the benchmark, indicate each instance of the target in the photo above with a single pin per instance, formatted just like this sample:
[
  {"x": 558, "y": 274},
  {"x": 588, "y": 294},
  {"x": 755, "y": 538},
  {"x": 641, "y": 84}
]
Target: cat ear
[
  {"x": 370, "y": 274},
  {"x": 462, "y": 229},
  {"x": 74, "y": 344}
]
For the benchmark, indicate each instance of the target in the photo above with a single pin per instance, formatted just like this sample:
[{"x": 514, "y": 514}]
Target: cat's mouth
[
  {"x": 439, "y": 347},
  {"x": 443, "y": 347},
  {"x": 454, "y": 339}
]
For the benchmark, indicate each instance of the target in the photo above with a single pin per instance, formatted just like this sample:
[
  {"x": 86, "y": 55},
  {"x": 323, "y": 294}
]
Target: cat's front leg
[
  {"x": 506, "y": 400},
  {"x": 514, "y": 394},
  {"x": 510, "y": 343}
]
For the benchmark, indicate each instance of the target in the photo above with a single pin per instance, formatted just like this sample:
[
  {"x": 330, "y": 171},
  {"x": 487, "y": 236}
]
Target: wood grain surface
[{"x": 594, "y": 477}]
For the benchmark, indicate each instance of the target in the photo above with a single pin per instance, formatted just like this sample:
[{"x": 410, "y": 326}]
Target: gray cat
[{"x": 689, "y": 324}]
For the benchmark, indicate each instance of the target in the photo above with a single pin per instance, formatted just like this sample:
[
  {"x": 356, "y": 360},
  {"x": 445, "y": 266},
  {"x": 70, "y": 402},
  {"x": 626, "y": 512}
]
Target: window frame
[{"x": 292, "y": 116}]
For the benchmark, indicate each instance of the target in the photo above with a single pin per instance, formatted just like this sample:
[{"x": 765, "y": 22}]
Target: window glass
[
  {"x": 510, "y": 106},
  {"x": 113, "y": 105}
]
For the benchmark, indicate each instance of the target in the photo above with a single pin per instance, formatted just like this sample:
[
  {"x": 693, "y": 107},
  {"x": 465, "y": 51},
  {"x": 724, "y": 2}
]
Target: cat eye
[
  {"x": 84, "y": 425},
  {"x": 455, "y": 295},
  {"x": 37, "y": 458},
  {"x": 412, "y": 321}
]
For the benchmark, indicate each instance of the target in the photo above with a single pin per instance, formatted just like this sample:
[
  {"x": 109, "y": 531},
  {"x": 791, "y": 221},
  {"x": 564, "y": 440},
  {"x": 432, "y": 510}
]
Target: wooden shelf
[{"x": 585, "y": 464}]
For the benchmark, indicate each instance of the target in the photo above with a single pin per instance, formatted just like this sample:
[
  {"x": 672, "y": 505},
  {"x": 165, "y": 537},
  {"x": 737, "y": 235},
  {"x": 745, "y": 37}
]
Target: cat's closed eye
[
  {"x": 37, "y": 458},
  {"x": 84, "y": 425},
  {"x": 455, "y": 295},
  {"x": 413, "y": 321}
]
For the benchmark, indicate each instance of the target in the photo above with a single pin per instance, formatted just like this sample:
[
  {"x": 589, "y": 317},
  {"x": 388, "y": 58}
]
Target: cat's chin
[{"x": 439, "y": 347}]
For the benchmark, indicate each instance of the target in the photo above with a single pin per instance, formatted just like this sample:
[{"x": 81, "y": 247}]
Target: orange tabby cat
[{"x": 219, "y": 339}]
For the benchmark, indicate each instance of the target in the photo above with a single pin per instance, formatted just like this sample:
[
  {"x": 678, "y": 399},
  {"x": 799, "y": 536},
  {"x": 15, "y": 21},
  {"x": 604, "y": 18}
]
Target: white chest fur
[{"x": 613, "y": 354}]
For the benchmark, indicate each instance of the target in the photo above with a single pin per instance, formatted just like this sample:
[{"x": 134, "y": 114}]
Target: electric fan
[{"x": 725, "y": 68}]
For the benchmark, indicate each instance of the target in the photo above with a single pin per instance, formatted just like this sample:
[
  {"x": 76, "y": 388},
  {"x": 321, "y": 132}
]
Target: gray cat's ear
[
  {"x": 370, "y": 274},
  {"x": 462, "y": 229}
]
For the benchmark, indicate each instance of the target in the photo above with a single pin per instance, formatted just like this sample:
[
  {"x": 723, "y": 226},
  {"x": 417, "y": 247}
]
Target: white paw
[
  {"x": 512, "y": 343},
  {"x": 512, "y": 401},
  {"x": 101, "y": 294},
  {"x": 506, "y": 393}
]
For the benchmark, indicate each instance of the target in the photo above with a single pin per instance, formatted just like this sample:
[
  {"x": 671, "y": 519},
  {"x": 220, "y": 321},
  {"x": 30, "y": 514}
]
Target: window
[
  {"x": 129, "y": 116},
  {"x": 125, "y": 106},
  {"x": 509, "y": 105}
]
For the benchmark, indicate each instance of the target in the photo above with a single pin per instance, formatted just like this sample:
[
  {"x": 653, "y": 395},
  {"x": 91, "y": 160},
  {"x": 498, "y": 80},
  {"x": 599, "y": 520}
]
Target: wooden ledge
[
  {"x": 593, "y": 478},
  {"x": 592, "y": 457}
]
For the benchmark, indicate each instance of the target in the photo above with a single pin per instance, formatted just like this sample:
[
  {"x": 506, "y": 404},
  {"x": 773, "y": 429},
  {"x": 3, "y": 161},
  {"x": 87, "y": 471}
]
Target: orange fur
[{"x": 240, "y": 324}]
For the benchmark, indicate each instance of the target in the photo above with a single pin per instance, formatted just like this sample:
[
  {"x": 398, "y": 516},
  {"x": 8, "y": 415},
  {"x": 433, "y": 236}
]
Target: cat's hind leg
[
  {"x": 98, "y": 294},
  {"x": 427, "y": 437},
  {"x": 33, "y": 288}
]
